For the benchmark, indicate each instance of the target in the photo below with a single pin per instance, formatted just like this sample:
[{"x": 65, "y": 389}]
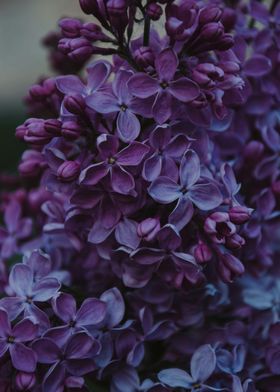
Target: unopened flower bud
[
  {"x": 92, "y": 31},
  {"x": 25, "y": 381},
  {"x": 233, "y": 264},
  {"x": 235, "y": 241},
  {"x": 71, "y": 130},
  {"x": 68, "y": 171},
  {"x": 226, "y": 42},
  {"x": 154, "y": 11},
  {"x": 239, "y": 214},
  {"x": 148, "y": 228},
  {"x": 202, "y": 253},
  {"x": 116, "y": 7},
  {"x": 31, "y": 164},
  {"x": 53, "y": 127},
  {"x": 74, "y": 103},
  {"x": 144, "y": 56},
  {"x": 209, "y": 14},
  {"x": 89, "y": 6},
  {"x": 70, "y": 27},
  {"x": 211, "y": 32},
  {"x": 228, "y": 18},
  {"x": 253, "y": 151}
]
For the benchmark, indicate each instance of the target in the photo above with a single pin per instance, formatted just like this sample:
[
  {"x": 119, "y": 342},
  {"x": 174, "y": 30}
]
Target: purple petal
[
  {"x": 5, "y": 326},
  {"x": 160, "y": 137},
  {"x": 132, "y": 155},
  {"x": 47, "y": 351},
  {"x": 24, "y": 228},
  {"x": 103, "y": 102},
  {"x": 21, "y": 279},
  {"x": 25, "y": 331},
  {"x": 115, "y": 307},
  {"x": 169, "y": 238},
  {"x": 162, "y": 107},
  {"x": 13, "y": 306},
  {"x": 152, "y": 167},
  {"x": 126, "y": 233},
  {"x": 79, "y": 367},
  {"x": 164, "y": 190},
  {"x": 45, "y": 289},
  {"x": 177, "y": 146},
  {"x": 175, "y": 378},
  {"x": 60, "y": 335},
  {"x": 128, "y": 126},
  {"x": 98, "y": 73},
  {"x": 229, "y": 180},
  {"x": 189, "y": 169},
  {"x": 64, "y": 306},
  {"x": 23, "y": 358},
  {"x": 203, "y": 363},
  {"x": 257, "y": 66},
  {"x": 3, "y": 347},
  {"x": 147, "y": 256},
  {"x": 93, "y": 173},
  {"x": 91, "y": 312},
  {"x": 120, "y": 87},
  {"x": 184, "y": 90},
  {"x": 143, "y": 86},
  {"x": 99, "y": 233},
  {"x": 54, "y": 379},
  {"x": 12, "y": 216},
  {"x": 166, "y": 64},
  {"x": 107, "y": 145},
  {"x": 79, "y": 346},
  {"x": 70, "y": 84},
  {"x": 122, "y": 181},
  {"x": 205, "y": 196},
  {"x": 182, "y": 213}
]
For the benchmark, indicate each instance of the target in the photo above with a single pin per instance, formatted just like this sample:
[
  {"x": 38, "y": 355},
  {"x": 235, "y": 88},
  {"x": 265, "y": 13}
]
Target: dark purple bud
[
  {"x": 53, "y": 127},
  {"x": 253, "y": 151},
  {"x": 74, "y": 103},
  {"x": 212, "y": 220},
  {"x": 78, "y": 49},
  {"x": 233, "y": 264},
  {"x": 239, "y": 214},
  {"x": 144, "y": 56},
  {"x": 211, "y": 32},
  {"x": 25, "y": 381},
  {"x": 37, "y": 91},
  {"x": 148, "y": 228},
  {"x": 116, "y": 7},
  {"x": 68, "y": 171},
  {"x": 235, "y": 241},
  {"x": 31, "y": 164},
  {"x": 35, "y": 132},
  {"x": 89, "y": 6},
  {"x": 71, "y": 130},
  {"x": 209, "y": 14},
  {"x": 226, "y": 42},
  {"x": 20, "y": 132},
  {"x": 70, "y": 27},
  {"x": 92, "y": 32},
  {"x": 202, "y": 253},
  {"x": 154, "y": 11},
  {"x": 229, "y": 17}
]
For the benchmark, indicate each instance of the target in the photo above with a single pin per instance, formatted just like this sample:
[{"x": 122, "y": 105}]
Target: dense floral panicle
[{"x": 139, "y": 244}]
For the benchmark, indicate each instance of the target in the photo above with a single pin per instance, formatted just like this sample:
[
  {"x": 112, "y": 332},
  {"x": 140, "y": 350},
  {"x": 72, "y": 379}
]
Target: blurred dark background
[{"x": 23, "y": 23}]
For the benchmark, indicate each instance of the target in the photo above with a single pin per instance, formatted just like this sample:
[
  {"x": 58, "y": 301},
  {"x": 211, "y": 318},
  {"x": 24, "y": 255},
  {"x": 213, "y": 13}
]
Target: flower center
[
  {"x": 196, "y": 386},
  {"x": 123, "y": 107},
  {"x": 112, "y": 160},
  {"x": 29, "y": 300},
  {"x": 11, "y": 339},
  {"x": 72, "y": 323},
  {"x": 163, "y": 85},
  {"x": 184, "y": 190}
]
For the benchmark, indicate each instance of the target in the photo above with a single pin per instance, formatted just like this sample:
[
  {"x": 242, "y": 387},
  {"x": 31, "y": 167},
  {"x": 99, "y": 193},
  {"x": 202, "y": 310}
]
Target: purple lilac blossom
[{"x": 139, "y": 243}]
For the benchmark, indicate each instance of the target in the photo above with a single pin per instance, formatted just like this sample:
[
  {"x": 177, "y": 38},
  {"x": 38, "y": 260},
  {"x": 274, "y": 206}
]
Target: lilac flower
[
  {"x": 91, "y": 313},
  {"x": 203, "y": 364},
  {"x": 164, "y": 87},
  {"x": 121, "y": 102},
  {"x": 28, "y": 293},
  {"x": 204, "y": 195},
  {"x": 115, "y": 163},
  {"x": 166, "y": 150},
  {"x": 17, "y": 228},
  {"x": 73, "y": 359},
  {"x": 12, "y": 339}
]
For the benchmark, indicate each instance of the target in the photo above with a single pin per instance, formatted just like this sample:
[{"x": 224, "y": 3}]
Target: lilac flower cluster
[{"x": 139, "y": 244}]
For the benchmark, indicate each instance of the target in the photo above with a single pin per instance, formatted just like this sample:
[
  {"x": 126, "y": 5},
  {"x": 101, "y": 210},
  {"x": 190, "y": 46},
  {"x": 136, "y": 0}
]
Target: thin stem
[
  {"x": 146, "y": 31},
  {"x": 273, "y": 6}
]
